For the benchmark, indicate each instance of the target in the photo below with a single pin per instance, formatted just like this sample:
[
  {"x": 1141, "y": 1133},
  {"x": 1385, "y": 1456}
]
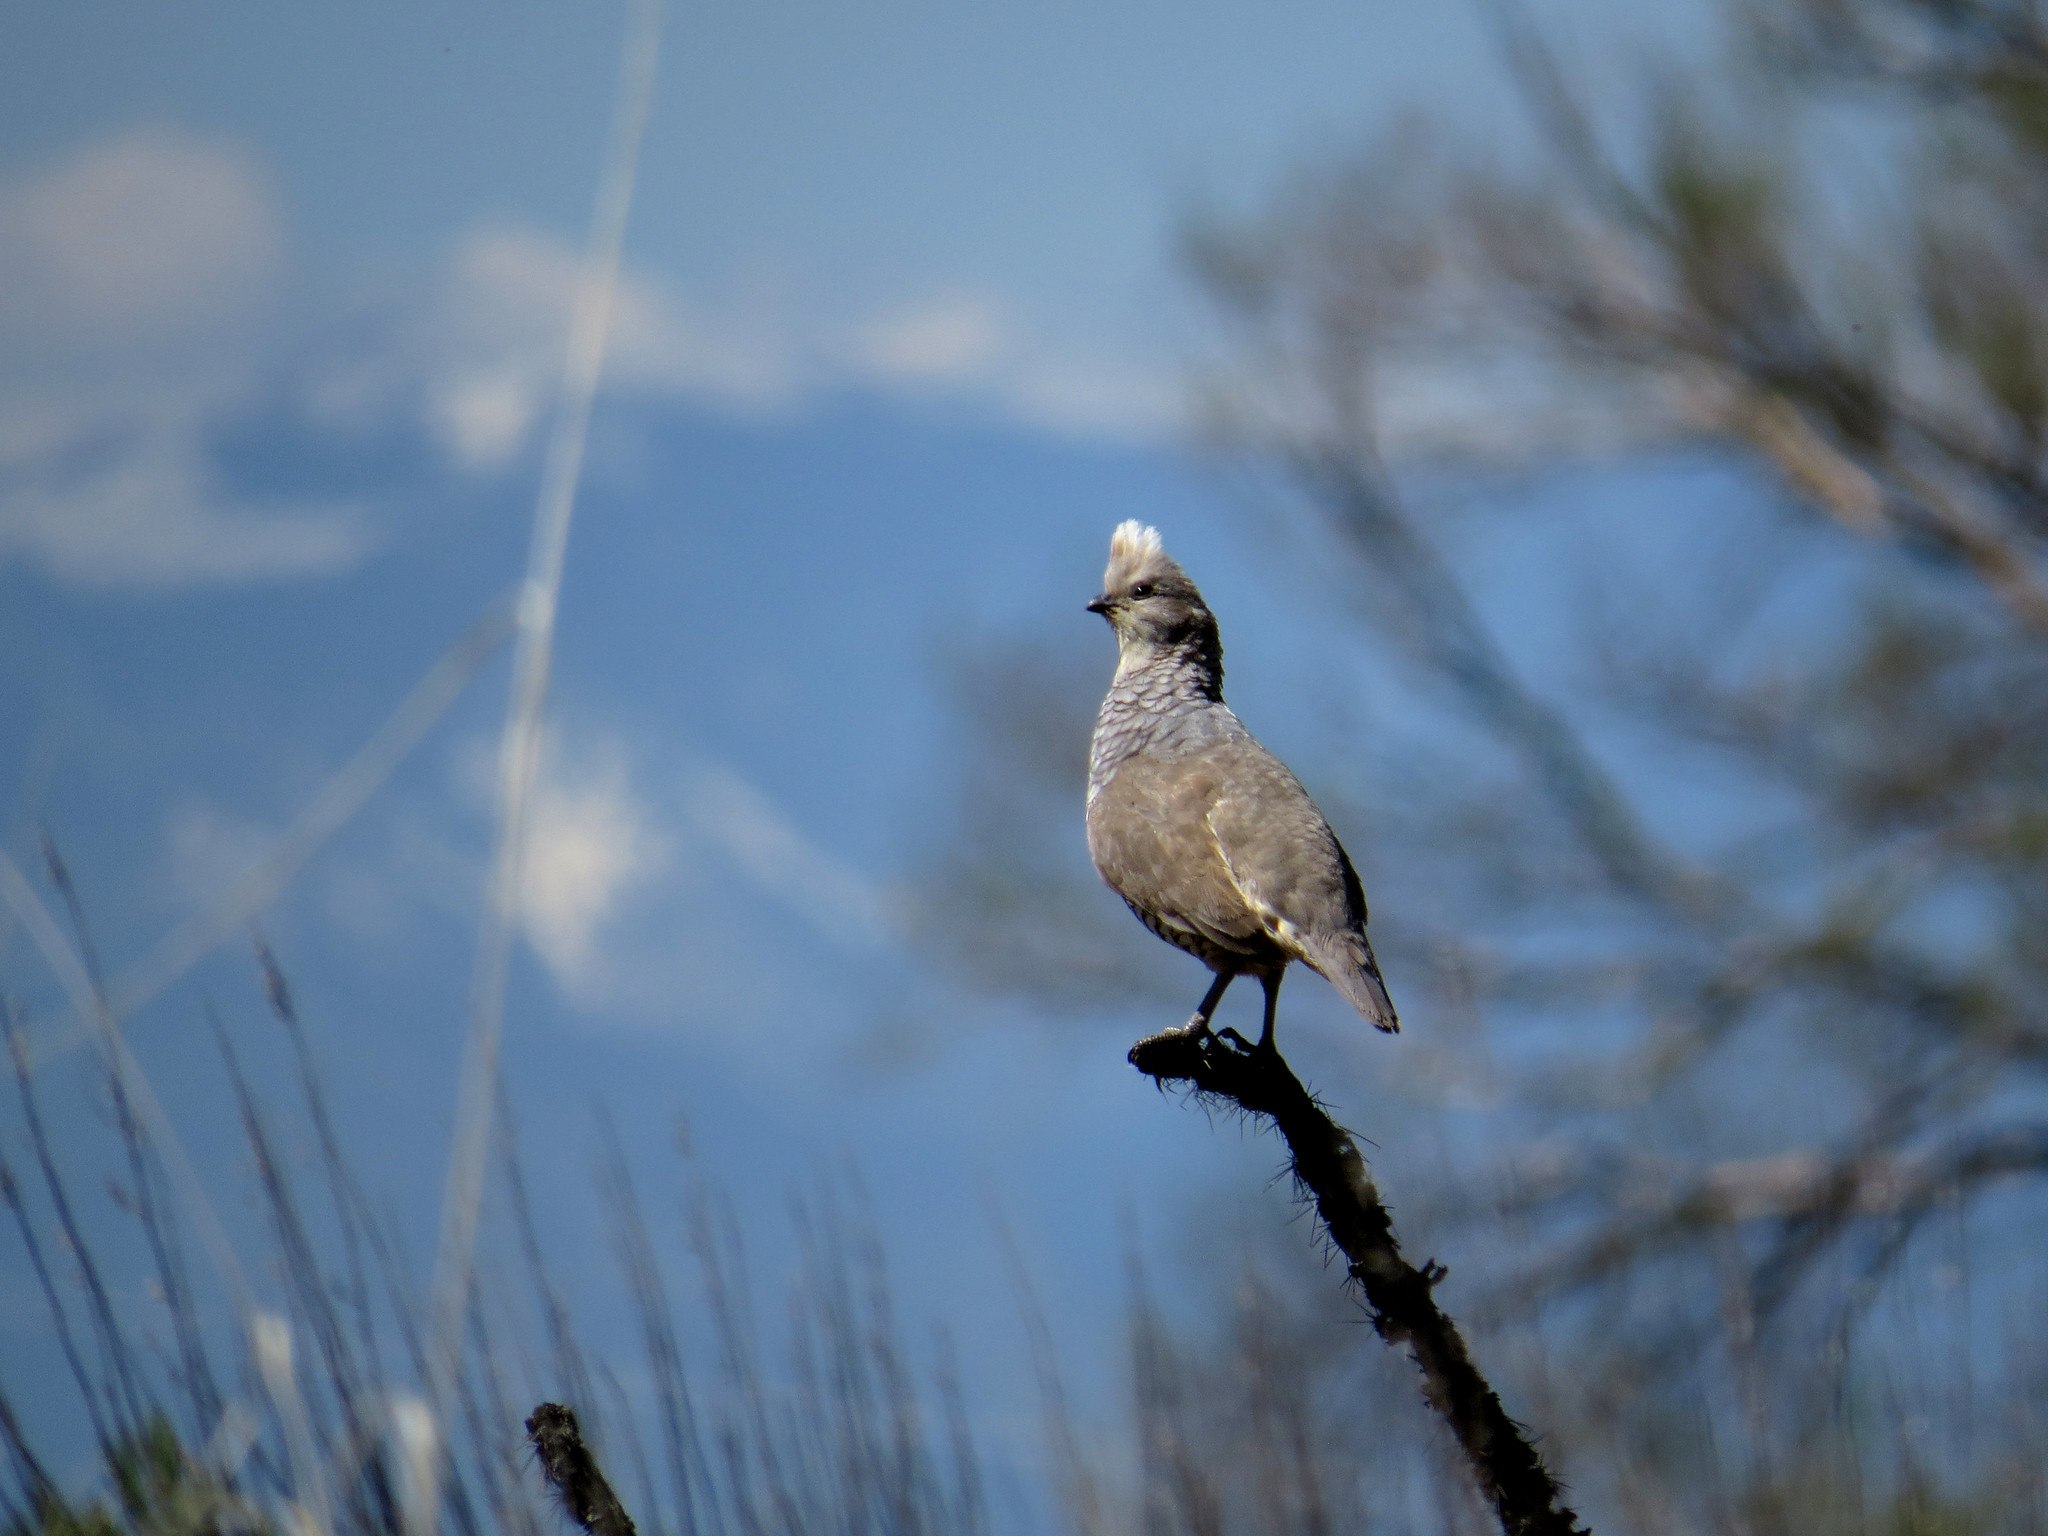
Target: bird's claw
[
  {"x": 1172, "y": 1052},
  {"x": 1264, "y": 1047}
]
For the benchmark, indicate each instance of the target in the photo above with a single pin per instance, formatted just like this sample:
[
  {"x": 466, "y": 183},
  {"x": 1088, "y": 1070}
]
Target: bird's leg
[
  {"x": 1199, "y": 1024},
  {"x": 1270, "y": 980}
]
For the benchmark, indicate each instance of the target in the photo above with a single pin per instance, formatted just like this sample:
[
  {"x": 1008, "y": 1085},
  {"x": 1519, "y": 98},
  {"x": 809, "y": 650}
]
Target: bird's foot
[
  {"x": 1195, "y": 1030},
  {"x": 1181, "y": 1045}
]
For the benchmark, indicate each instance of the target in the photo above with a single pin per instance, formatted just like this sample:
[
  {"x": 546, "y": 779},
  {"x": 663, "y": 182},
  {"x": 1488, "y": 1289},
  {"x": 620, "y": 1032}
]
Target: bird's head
[{"x": 1146, "y": 596}]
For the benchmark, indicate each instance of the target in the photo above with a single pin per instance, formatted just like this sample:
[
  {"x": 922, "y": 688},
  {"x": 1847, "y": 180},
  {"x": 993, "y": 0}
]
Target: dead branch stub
[{"x": 573, "y": 1472}]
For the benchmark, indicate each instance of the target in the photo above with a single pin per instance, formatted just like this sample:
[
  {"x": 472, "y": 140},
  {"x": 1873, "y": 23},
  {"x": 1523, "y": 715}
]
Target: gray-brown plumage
[{"x": 1202, "y": 831}]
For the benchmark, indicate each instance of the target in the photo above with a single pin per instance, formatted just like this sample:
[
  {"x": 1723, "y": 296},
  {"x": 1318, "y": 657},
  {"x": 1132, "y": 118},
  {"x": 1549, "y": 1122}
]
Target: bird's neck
[
  {"x": 1162, "y": 698},
  {"x": 1188, "y": 670}
]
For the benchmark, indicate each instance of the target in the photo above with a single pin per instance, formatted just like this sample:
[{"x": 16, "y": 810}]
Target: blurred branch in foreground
[
  {"x": 1404, "y": 1311},
  {"x": 1722, "y": 279}
]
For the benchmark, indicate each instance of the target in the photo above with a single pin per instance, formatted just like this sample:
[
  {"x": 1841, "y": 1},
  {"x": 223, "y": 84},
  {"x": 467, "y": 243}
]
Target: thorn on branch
[{"x": 573, "y": 1473}]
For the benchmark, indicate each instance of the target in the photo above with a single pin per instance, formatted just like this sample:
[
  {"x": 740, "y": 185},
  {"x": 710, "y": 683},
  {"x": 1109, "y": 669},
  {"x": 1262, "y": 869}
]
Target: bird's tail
[{"x": 1346, "y": 959}]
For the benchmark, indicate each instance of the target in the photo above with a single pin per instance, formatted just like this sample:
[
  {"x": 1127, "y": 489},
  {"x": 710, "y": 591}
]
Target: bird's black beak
[{"x": 1100, "y": 605}]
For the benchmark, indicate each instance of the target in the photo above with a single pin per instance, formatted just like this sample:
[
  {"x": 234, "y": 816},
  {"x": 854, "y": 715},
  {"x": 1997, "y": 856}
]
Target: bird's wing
[
  {"x": 1150, "y": 838},
  {"x": 1295, "y": 877},
  {"x": 1278, "y": 850}
]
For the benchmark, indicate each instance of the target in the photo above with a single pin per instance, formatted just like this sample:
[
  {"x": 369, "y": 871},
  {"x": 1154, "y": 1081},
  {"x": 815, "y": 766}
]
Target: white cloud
[
  {"x": 494, "y": 353},
  {"x": 590, "y": 842},
  {"x": 641, "y": 897},
  {"x": 947, "y": 336},
  {"x": 123, "y": 269},
  {"x": 1095, "y": 397},
  {"x": 595, "y": 850},
  {"x": 482, "y": 416},
  {"x": 501, "y": 320},
  {"x": 967, "y": 345},
  {"x": 126, "y": 498},
  {"x": 148, "y": 232}
]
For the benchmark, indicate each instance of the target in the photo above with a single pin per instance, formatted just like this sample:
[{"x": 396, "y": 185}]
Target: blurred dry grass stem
[
  {"x": 519, "y": 743},
  {"x": 316, "y": 1427}
]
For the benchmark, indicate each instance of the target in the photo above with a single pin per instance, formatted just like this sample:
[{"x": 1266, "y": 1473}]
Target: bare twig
[{"x": 1404, "y": 1311}]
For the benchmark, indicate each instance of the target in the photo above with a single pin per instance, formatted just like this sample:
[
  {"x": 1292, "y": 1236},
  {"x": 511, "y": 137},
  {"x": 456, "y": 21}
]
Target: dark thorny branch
[{"x": 1402, "y": 1298}]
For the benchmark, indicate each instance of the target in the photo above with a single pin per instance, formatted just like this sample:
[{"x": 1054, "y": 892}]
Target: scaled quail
[{"x": 1202, "y": 831}]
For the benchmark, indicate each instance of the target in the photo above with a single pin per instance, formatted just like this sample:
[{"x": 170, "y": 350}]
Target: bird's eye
[{"x": 1142, "y": 589}]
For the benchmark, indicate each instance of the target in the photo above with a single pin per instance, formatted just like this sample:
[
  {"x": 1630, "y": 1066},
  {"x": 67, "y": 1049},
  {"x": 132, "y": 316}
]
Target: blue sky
[
  {"x": 282, "y": 292},
  {"x": 967, "y": 197}
]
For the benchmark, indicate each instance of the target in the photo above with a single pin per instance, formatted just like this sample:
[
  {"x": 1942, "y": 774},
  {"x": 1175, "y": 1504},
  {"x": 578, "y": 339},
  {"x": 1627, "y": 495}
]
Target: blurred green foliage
[{"x": 158, "y": 1491}]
